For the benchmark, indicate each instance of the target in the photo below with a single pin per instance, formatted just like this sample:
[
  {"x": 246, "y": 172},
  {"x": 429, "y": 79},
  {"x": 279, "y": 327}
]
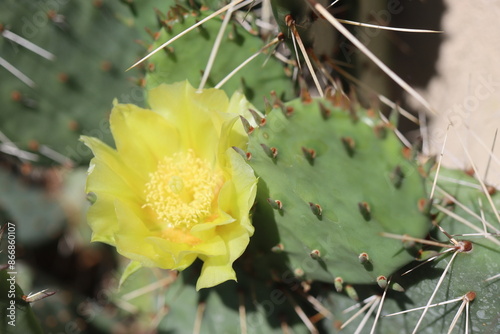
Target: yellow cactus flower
[{"x": 174, "y": 189}]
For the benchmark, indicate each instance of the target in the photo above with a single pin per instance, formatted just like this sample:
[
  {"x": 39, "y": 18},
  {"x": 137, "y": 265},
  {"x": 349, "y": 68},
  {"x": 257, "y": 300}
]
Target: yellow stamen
[{"x": 182, "y": 189}]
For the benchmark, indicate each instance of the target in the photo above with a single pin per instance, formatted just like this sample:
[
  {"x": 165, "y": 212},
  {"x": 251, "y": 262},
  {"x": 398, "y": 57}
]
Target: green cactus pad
[
  {"x": 187, "y": 58},
  {"x": 341, "y": 179}
]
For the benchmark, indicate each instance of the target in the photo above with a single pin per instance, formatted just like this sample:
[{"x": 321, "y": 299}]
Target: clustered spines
[
  {"x": 407, "y": 153},
  {"x": 339, "y": 284},
  {"x": 246, "y": 125},
  {"x": 366, "y": 261},
  {"x": 325, "y": 112},
  {"x": 424, "y": 205},
  {"x": 271, "y": 152},
  {"x": 275, "y": 204},
  {"x": 278, "y": 248},
  {"x": 397, "y": 176},
  {"x": 154, "y": 35},
  {"x": 245, "y": 155},
  {"x": 382, "y": 281},
  {"x": 309, "y": 154},
  {"x": 305, "y": 95},
  {"x": 267, "y": 106},
  {"x": 315, "y": 254},
  {"x": 316, "y": 209},
  {"x": 338, "y": 98},
  {"x": 25, "y": 100},
  {"x": 299, "y": 272},
  {"x": 287, "y": 111},
  {"x": 471, "y": 295},
  {"x": 465, "y": 246},
  {"x": 381, "y": 131},
  {"x": 365, "y": 210},
  {"x": 259, "y": 120}
]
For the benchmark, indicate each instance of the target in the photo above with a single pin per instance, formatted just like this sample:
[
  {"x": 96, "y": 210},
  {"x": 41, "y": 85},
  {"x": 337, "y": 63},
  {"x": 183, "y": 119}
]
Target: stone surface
[{"x": 466, "y": 89}]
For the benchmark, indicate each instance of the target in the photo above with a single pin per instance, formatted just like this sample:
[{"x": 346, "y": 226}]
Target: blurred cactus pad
[
  {"x": 356, "y": 231},
  {"x": 69, "y": 93}
]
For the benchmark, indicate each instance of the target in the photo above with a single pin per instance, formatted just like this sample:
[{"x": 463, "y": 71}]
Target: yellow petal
[
  {"x": 236, "y": 238},
  {"x": 169, "y": 249},
  {"x": 142, "y": 137},
  {"x": 102, "y": 219},
  {"x": 215, "y": 270},
  {"x": 182, "y": 104},
  {"x": 238, "y": 195},
  {"x": 218, "y": 269},
  {"x": 222, "y": 219},
  {"x": 136, "y": 242},
  {"x": 229, "y": 138},
  {"x": 172, "y": 255},
  {"x": 131, "y": 235},
  {"x": 108, "y": 178},
  {"x": 108, "y": 172},
  {"x": 214, "y": 246},
  {"x": 195, "y": 115}
]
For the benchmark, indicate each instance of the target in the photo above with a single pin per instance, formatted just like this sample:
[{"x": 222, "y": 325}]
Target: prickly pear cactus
[
  {"x": 334, "y": 183},
  {"x": 331, "y": 181}
]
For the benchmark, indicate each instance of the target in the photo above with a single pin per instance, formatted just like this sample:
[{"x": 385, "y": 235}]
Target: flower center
[{"x": 182, "y": 189}]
